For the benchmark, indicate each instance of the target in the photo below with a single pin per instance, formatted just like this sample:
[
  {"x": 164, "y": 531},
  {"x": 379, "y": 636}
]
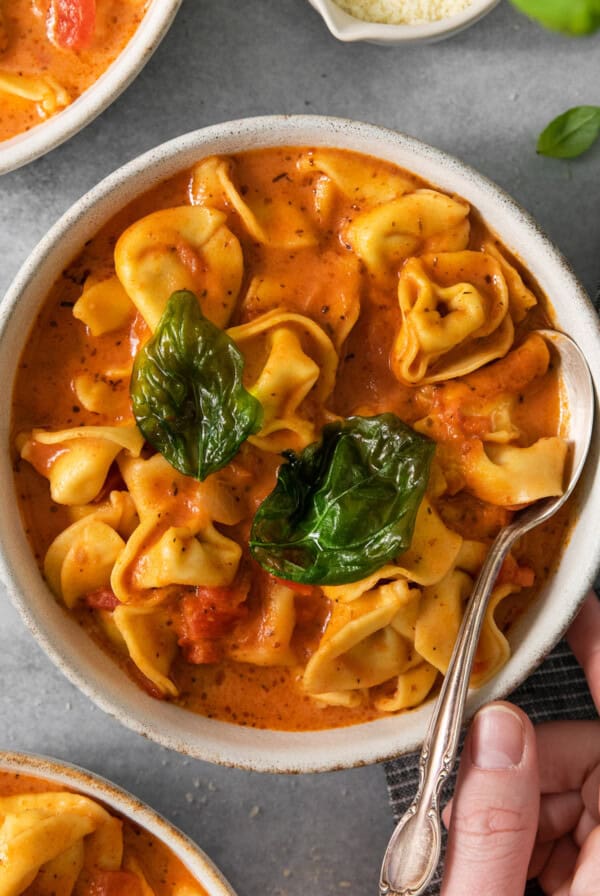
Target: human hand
[
  {"x": 566, "y": 856},
  {"x": 515, "y": 815}
]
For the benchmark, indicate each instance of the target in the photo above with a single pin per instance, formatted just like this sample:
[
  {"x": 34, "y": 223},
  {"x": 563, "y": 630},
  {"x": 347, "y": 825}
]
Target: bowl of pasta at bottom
[
  {"x": 286, "y": 676},
  {"x": 84, "y": 832}
]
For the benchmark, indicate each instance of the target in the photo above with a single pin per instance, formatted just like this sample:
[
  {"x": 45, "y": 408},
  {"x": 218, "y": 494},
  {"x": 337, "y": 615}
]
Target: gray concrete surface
[{"x": 483, "y": 96}]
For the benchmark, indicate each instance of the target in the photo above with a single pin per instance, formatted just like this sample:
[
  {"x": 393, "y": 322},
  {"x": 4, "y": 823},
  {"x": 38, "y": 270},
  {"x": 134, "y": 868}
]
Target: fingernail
[{"x": 497, "y": 739}]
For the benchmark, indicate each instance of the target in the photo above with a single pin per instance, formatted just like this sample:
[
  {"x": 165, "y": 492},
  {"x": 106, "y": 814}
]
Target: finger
[
  {"x": 563, "y": 890},
  {"x": 447, "y": 814},
  {"x": 559, "y": 867},
  {"x": 495, "y": 806},
  {"x": 559, "y": 815},
  {"x": 584, "y": 640},
  {"x": 591, "y": 794},
  {"x": 585, "y": 826},
  {"x": 586, "y": 879},
  {"x": 562, "y": 765}
]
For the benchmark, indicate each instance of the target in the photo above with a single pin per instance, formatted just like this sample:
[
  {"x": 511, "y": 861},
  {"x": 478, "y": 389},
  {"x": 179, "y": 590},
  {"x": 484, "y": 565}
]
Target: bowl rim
[
  {"x": 88, "y": 667},
  {"x": 348, "y": 28},
  {"x": 47, "y": 135},
  {"x": 119, "y": 800}
]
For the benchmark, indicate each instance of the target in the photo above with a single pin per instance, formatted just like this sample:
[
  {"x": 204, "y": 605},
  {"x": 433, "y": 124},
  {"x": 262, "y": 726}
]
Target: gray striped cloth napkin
[{"x": 557, "y": 690}]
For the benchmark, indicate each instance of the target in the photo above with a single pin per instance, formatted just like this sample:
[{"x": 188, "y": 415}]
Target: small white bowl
[
  {"x": 83, "y": 661},
  {"x": 348, "y": 28},
  {"x": 117, "y": 800},
  {"x": 30, "y": 145}
]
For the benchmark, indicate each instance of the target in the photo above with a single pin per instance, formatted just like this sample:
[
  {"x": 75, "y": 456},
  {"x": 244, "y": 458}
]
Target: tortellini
[
  {"x": 361, "y": 647},
  {"x": 473, "y": 419},
  {"x": 272, "y": 221},
  {"x": 510, "y": 476},
  {"x": 433, "y": 550},
  {"x": 439, "y": 620},
  {"x": 364, "y": 182},
  {"x": 103, "y": 306},
  {"x": 484, "y": 404},
  {"x": 44, "y": 838},
  {"x": 455, "y": 318},
  {"x": 151, "y": 642},
  {"x": 396, "y": 629},
  {"x": 387, "y": 631},
  {"x": 96, "y": 393},
  {"x": 43, "y": 90},
  {"x": 520, "y": 297},
  {"x": 266, "y": 639},
  {"x": 57, "y": 843},
  {"x": 141, "y": 545},
  {"x": 176, "y": 542},
  {"x": 512, "y": 374},
  {"x": 411, "y": 688},
  {"x": 161, "y": 556},
  {"x": 283, "y": 375},
  {"x": 419, "y": 222},
  {"x": 457, "y": 411},
  {"x": 87, "y": 564},
  {"x": 180, "y": 248},
  {"x": 76, "y": 461},
  {"x": 80, "y": 560},
  {"x": 370, "y": 637}
]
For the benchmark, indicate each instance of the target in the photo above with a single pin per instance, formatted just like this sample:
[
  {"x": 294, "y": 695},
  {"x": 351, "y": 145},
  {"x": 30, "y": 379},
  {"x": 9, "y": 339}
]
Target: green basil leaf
[
  {"x": 187, "y": 392},
  {"x": 346, "y": 505},
  {"x": 571, "y": 134},
  {"x": 574, "y": 17}
]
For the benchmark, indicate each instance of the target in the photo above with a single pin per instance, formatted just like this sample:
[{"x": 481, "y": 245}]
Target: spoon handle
[{"x": 414, "y": 848}]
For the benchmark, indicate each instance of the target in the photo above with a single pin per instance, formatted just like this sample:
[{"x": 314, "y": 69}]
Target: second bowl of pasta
[
  {"x": 282, "y": 386},
  {"x": 65, "y": 830},
  {"x": 62, "y": 63}
]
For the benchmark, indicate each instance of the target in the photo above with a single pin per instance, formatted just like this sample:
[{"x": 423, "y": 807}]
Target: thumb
[{"x": 495, "y": 808}]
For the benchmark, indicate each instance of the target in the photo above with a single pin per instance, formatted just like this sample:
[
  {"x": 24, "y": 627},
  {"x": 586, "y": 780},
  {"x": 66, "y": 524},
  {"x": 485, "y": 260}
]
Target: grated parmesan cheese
[{"x": 403, "y": 12}]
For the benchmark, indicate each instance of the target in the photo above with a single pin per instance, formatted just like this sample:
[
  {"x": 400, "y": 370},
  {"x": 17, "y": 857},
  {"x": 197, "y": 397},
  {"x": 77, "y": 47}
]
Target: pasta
[
  {"x": 51, "y": 51},
  {"x": 294, "y": 405},
  {"x": 179, "y": 248},
  {"x": 53, "y": 841}
]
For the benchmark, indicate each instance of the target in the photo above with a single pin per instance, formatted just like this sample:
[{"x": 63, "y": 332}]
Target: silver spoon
[{"x": 414, "y": 849}]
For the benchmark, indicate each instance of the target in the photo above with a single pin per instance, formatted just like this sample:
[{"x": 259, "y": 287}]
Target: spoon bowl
[{"x": 414, "y": 849}]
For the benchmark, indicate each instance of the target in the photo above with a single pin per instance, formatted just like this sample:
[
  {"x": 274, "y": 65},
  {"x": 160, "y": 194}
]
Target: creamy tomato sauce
[
  {"x": 27, "y": 52},
  {"x": 60, "y": 349},
  {"x": 162, "y": 870}
]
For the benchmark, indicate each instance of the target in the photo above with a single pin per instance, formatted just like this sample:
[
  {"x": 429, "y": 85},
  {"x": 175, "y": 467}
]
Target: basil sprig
[
  {"x": 571, "y": 134},
  {"x": 346, "y": 505},
  {"x": 187, "y": 392},
  {"x": 574, "y": 17}
]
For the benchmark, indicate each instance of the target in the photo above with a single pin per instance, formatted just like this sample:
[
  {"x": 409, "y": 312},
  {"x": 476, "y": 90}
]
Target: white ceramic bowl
[
  {"x": 348, "y": 28},
  {"x": 124, "y": 804},
  {"x": 47, "y": 135},
  {"x": 85, "y": 663}
]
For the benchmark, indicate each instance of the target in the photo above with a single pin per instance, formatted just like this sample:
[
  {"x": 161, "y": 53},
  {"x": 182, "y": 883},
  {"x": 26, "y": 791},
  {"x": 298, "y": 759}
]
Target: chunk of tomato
[
  {"x": 206, "y": 617},
  {"x": 102, "y": 599},
  {"x": 71, "y": 23},
  {"x": 114, "y": 883}
]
